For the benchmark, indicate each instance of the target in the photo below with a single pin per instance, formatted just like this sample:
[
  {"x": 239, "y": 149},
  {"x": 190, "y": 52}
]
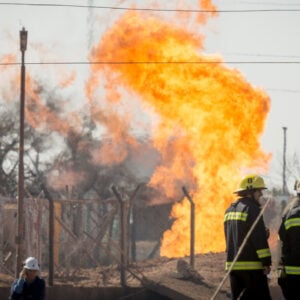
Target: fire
[
  {"x": 6, "y": 74},
  {"x": 69, "y": 80},
  {"x": 207, "y": 118},
  {"x": 210, "y": 120},
  {"x": 39, "y": 116}
]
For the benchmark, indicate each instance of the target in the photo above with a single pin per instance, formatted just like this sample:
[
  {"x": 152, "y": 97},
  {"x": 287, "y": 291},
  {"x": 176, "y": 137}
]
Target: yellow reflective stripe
[
  {"x": 292, "y": 270},
  {"x": 235, "y": 216},
  {"x": 261, "y": 253},
  {"x": 293, "y": 222},
  {"x": 244, "y": 265}
]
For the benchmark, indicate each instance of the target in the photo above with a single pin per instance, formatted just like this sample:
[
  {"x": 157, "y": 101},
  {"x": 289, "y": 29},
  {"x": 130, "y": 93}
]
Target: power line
[
  {"x": 148, "y": 62},
  {"x": 283, "y": 90},
  {"x": 260, "y": 55},
  {"x": 149, "y": 9},
  {"x": 270, "y": 3},
  {"x": 157, "y": 62}
]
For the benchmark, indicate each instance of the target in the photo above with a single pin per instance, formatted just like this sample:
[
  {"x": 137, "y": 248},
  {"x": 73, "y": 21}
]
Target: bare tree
[{"x": 8, "y": 153}]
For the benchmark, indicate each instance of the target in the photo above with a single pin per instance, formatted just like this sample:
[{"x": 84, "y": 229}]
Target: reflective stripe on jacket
[
  {"x": 244, "y": 265},
  {"x": 292, "y": 270}
]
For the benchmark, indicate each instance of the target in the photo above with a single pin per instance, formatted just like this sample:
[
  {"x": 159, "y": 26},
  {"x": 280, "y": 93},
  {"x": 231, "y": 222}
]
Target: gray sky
[{"x": 65, "y": 34}]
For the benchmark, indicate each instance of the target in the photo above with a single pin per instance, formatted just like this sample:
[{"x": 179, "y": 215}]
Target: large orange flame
[
  {"x": 208, "y": 118},
  {"x": 211, "y": 120}
]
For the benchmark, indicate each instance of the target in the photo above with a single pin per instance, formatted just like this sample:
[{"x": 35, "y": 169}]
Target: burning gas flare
[{"x": 210, "y": 120}]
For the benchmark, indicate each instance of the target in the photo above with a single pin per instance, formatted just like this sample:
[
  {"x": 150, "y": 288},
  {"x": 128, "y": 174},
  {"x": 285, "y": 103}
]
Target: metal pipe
[
  {"x": 192, "y": 229},
  {"x": 133, "y": 216},
  {"x": 133, "y": 232},
  {"x": 50, "y": 235},
  {"x": 123, "y": 235}
]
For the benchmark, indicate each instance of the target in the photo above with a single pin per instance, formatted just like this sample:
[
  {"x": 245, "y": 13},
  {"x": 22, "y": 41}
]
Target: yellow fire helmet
[
  {"x": 297, "y": 186},
  {"x": 251, "y": 182}
]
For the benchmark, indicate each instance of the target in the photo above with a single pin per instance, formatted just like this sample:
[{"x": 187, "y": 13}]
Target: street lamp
[
  {"x": 21, "y": 227},
  {"x": 23, "y": 40},
  {"x": 284, "y": 186}
]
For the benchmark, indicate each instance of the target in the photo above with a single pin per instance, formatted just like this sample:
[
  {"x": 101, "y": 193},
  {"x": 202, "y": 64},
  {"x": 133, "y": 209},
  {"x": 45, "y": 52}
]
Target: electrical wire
[
  {"x": 283, "y": 90},
  {"x": 150, "y": 9},
  {"x": 260, "y": 55},
  {"x": 147, "y": 62},
  {"x": 270, "y": 3}
]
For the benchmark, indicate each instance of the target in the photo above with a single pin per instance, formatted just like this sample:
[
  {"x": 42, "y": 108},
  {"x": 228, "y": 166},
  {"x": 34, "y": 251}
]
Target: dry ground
[{"x": 160, "y": 273}]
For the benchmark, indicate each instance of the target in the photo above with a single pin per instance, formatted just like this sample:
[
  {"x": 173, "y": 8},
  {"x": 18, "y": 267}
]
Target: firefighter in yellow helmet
[
  {"x": 289, "y": 236},
  {"x": 248, "y": 276}
]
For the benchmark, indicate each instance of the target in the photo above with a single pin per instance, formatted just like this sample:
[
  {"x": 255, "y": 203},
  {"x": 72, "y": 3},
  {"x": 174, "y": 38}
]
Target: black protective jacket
[
  {"x": 239, "y": 218},
  {"x": 22, "y": 290},
  {"x": 289, "y": 234}
]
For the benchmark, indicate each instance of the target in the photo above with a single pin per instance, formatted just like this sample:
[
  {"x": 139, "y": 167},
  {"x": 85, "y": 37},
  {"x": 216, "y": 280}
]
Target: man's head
[
  {"x": 30, "y": 268},
  {"x": 251, "y": 185}
]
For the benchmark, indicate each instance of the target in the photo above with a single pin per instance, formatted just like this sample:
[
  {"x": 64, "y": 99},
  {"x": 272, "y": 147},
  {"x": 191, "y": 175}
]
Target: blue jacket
[{"x": 22, "y": 290}]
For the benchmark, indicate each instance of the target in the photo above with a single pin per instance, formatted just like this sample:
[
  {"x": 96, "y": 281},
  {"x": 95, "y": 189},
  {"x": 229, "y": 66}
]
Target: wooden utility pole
[{"x": 20, "y": 221}]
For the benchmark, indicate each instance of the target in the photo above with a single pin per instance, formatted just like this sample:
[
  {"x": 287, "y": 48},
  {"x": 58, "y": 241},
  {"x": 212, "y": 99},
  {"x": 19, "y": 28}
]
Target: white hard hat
[{"x": 31, "y": 263}]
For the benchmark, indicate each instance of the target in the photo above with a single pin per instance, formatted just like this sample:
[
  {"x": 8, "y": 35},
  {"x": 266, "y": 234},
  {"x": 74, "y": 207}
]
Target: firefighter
[
  {"x": 29, "y": 285},
  {"x": 248, "y": 275},
  {"x": 289, "y": 238}
]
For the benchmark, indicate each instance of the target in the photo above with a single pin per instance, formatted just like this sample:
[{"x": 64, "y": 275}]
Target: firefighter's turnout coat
[
  {"x": 239, "y": 218},
  {"x": 289, "y": 234}
]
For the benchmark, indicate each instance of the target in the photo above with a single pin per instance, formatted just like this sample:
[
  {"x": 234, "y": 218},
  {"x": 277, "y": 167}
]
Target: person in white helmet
[{"x": 29, "y": 285}]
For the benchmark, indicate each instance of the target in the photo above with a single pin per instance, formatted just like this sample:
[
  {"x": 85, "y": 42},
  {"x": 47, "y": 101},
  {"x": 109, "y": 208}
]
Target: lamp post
[
  {"x": 284, "y": 185},
  {"x": 20, "y": 222}
]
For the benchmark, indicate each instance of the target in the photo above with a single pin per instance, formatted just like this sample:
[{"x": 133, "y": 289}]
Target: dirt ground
[{"x": 161, "y": 274}]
